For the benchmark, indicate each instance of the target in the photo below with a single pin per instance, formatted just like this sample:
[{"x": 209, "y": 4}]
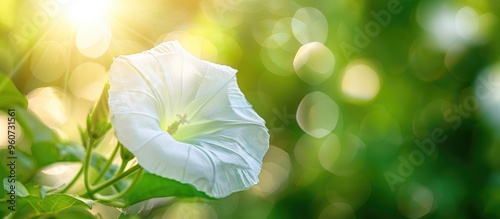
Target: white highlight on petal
[{"x": 219, "y": 152}]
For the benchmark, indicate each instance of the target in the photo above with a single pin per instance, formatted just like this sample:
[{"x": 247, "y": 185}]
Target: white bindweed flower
[{"x": 186, "y": 119}]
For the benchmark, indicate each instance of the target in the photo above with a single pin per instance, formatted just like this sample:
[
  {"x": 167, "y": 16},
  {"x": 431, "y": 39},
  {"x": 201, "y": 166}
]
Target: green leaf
[
  {"x": 27, "y": 207},
  {"x": 24, "y": 165},
  {"x": 88, "y": 202},
  {"x": 9, "y": 94},
  {"x": 47, "y": 153},
  {"x": 33, "y": 201},
  {"x": 75, "y": 212},
  {"x": 36, "y": 131},
  {"x": 19, "y": 188},
  {"x": 153, "y": 186},
  {"x": 57, "y": 202},
  {"x": 70, "y": 212}
]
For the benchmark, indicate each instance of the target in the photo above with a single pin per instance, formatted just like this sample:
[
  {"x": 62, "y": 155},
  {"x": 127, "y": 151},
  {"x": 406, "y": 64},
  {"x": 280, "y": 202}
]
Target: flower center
[{"x": 175, "y": 126}]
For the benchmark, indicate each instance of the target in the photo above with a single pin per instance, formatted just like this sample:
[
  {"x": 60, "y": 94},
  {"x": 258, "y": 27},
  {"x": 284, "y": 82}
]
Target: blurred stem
[
  {"x": 116, "y": 204},
  {"x": 122, "y": 167},
  {"x": 86, "y": 165},
  {"x": 72, "y": 182},
  {"x": 123, "y": 192},
  {"x": 117, "y": 178},
  {"x": 108, "y": 164}
]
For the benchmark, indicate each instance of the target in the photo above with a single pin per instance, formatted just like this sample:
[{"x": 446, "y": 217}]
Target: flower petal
[{"x": 219, "y": 152}]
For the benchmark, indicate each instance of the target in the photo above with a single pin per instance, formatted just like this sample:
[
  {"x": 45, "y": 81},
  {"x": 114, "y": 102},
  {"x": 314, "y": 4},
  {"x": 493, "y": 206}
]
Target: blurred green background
[{"x": 376, "y": 109}]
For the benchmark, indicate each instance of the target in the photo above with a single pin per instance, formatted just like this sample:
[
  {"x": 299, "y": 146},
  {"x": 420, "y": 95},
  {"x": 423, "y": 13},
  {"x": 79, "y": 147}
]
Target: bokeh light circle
[
  {"x": 467, "y": 23},
  {"x": 354, "y": 190},
  {"x": 197, "y": 45},
  {"x": 58, "y": 174},
  {"x": 275, "y": 171},
  {"x": 278, "y": 49},
  {"x": 415, "y": 200},
  {"x": 306, "y": 154},
  {"x": 306, "y": 151},
  {"x": 427, "y": 62},
  {"x": 438, "y": 19},
  {"x": 487, "y": 92},
  {"x": 314, "y": 63},
  {"x": 317, "y": 114},
  {"x": 87, "y": 81},
  {"x": 229, "y": 51},
  {"x": 190, "y": 210},
  {"x": 225, "y": 13},
  {"x": 342, "y": 155},
  {"x": 93, "y": 39},
  {"x": 4, "y": 138},
  {"x": 51, "y": 105},
  {"x": 337, "y": 210},
  {"x": 360, "y": 83},
  {"x": 310, "y": 25}
]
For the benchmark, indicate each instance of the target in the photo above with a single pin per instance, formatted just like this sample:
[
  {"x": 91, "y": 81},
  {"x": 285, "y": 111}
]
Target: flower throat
[{"x": 175, "y": 126}]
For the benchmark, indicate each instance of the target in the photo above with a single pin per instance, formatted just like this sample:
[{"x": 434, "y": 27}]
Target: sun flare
[{"x": 85, "y": 12}]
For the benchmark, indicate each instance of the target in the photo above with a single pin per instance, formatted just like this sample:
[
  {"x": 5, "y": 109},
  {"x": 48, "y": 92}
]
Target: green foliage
[
  {"x": 153, "y": 186},
  {"x": 47, "y": 153},
  {"x": 74, "y": 212},
  {"x": 20, "y": 189},
  {"x": 35, "y": 130},
  {"x": 10, "y": 96},
  {"x": 24, "y": 165},
  {"x": 57, "y": 202},
  {"x": 37, "y": 204},
  {"x": 56, "y": 205},
  {"x": 428, "y": 58}
]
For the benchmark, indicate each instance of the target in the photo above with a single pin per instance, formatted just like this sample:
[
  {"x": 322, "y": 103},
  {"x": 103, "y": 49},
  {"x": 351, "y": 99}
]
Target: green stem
[
  {"x": 86, "y": 164},
  {"x": 115, "y": 179},
  {"x": 113, "y": 197},
  {"x": 116, "y": 204},
  {"x": 122, "y": 167},
  {"x": 73, "y": 181},
  {"x": 108, "y": 164}
]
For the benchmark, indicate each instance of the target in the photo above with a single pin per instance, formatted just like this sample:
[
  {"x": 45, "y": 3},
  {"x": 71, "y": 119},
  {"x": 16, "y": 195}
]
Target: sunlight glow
[{"x": 84, "y": 12}]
